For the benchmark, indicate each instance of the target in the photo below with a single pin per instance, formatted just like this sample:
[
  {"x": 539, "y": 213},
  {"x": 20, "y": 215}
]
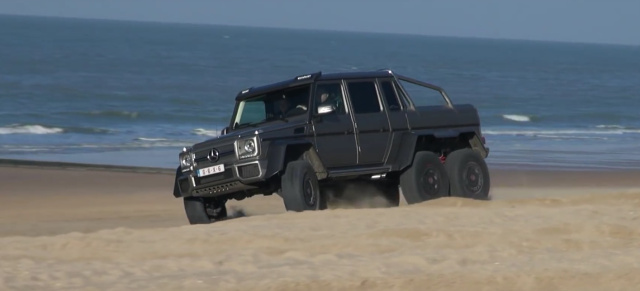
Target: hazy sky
[{"x": 598, "y": 21}]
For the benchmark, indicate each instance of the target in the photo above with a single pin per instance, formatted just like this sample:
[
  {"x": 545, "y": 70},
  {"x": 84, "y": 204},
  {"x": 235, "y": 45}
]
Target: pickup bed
[{"x": 314, "y": 133}]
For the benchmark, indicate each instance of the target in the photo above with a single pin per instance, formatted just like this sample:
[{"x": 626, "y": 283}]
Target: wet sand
[{"x": 108, "y": 229}]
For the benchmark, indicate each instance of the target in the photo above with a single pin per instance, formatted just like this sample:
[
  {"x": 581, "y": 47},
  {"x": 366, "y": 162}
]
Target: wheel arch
[
  {"x": 176, "y": 187},
  {"x": 282, "y": 152},
  {"x": 441, "y": 142}
]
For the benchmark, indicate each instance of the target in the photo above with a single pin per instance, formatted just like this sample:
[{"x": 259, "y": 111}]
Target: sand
[{"x": 91, "y": 229}]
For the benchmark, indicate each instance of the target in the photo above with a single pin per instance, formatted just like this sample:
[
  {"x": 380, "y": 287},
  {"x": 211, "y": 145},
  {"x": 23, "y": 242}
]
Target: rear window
[{"x": 390, "y": 96}]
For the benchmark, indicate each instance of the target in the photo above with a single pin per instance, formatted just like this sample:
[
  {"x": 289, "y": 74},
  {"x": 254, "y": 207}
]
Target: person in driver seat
[{"x": 285, "y": 111}]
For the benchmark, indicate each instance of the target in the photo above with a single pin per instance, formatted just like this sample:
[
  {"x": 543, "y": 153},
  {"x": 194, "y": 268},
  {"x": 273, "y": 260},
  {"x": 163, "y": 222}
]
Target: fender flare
[
  {"x": 410, "y": 139},
  {"x": 282, "y": 151}
]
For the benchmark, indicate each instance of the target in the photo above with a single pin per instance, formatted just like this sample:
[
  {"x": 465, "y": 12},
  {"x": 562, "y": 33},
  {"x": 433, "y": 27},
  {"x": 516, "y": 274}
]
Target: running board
[{"x": 359, "y": 171}]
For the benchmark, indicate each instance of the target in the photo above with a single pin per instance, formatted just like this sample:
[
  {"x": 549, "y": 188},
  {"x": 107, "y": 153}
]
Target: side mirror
[{"x": 325, "y": 109}]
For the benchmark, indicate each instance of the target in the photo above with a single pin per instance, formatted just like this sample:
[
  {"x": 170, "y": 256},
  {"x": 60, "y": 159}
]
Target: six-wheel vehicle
[{"x": 302, "y": 136}]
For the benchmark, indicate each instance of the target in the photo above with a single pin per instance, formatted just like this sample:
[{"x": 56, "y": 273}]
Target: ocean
[{"x": 135, "y": 93}]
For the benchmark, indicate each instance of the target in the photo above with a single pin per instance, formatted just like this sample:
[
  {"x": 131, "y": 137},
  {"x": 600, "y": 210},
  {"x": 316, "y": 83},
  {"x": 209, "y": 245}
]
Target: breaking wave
[
  {"x": 43, "y": 129},
  {"x": 113, "y": 113},
  {"x": 150, "y": 139},
  {"x": 560, "y": 133},
  {"x": 30, "y": 129},
  {"x": 91, "y": 147},
  {"x": 206, "y": 132},
  {"x": 517, "y": 117},
  {"x": 611, "y": 126}
]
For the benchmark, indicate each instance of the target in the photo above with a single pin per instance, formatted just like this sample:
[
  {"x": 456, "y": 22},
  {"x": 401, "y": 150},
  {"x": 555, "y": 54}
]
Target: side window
[
  {"x": 364, "y": 97},
  {"x": 330, "y": 94},
  {"x": 390, "y": 96}
]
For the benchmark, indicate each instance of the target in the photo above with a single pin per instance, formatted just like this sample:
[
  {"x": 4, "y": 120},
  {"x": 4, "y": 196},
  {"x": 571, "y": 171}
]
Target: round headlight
[
  {"x": 249, "y": 146},
  {"x": 185, "y": 161}
]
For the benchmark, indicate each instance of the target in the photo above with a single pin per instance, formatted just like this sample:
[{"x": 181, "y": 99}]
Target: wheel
[
  {"x": 201, "y": 210},
  {"x": 300, "y": 190},
  {"x": 468, "y": 174},
  {"x": 425, "y": 179}
]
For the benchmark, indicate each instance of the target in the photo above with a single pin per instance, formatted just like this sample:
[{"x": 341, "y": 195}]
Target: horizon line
[{"x": 321, "y": 30}]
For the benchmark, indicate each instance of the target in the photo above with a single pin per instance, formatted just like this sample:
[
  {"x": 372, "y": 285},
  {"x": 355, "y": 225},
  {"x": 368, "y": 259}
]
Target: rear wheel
[
  {"x": 468, "y": 174},
  {"x": 300, "y": 190},
  {"x": 425, "y": 179},
  {"x": 203, "y": 210}
]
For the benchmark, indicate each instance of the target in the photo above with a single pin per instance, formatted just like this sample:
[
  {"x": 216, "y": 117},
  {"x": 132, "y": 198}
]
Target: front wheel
[
  {"x": 469, "y": 174},
  {"x": 300, "y": 189},
  {"x": 425, "y": 179},
  {"x": 201, "y": 210}
]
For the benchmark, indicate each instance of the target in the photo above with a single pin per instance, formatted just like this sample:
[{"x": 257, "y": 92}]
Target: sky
[{"x": 590, "y": 21}]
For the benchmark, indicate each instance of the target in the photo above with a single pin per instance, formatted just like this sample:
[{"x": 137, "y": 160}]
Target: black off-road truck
[{"x": 304, "y": 136}]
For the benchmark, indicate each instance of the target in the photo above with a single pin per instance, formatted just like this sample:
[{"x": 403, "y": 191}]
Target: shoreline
[
  {"x": 497, "y": 166},
  {"x": 17, "y": 163},
  {"x": 505, "y": 177}
]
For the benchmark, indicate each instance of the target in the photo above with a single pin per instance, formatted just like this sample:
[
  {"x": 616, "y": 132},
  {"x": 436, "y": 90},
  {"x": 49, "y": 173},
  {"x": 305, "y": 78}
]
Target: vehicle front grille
[{"x": 226, "y": 155}]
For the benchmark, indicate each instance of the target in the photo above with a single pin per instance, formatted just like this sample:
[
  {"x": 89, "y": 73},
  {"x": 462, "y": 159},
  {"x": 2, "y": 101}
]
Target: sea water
[{"x": 135, "y": 93}]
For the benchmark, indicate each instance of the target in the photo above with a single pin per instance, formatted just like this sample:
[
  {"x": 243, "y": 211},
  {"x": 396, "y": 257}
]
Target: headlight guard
[
  {"x": 186, "y": 159},
  {"x": 247, "y": 147}
]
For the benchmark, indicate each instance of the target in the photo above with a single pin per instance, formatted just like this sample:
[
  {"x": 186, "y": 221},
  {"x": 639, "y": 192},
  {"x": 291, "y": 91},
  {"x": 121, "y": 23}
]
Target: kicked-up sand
[{"x": 91, "y": 229}]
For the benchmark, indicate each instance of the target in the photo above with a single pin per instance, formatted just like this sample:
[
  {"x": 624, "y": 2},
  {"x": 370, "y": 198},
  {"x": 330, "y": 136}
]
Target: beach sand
[{"x": 92, "y": 229}]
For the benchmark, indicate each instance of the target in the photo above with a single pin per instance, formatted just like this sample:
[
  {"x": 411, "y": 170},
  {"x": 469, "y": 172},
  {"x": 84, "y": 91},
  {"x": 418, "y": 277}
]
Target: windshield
[{"x": 276, "y": 105}]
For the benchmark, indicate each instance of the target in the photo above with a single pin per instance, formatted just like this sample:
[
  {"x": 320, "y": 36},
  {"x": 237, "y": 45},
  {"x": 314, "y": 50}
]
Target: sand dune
[{"x": 136, "y": 238}]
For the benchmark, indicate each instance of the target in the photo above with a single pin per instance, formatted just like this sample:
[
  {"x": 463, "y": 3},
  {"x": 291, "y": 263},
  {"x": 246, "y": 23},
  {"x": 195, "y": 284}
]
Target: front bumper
[{"x": 239, "y": 176}]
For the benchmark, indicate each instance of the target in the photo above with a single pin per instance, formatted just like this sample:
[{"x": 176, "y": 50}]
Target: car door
[
  {"x": 333, "y": 130},
  {"x": 371, "y": 122},
  {"x": 395, "y": 108}
]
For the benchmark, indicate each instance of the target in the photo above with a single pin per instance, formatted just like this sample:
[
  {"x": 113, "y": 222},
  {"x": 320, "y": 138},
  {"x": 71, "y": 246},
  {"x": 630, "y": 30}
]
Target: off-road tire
[
  {"x": 425, "y": 179},
  {"x": 201, "y": 210},
  {"x": 468, "y": 174},
  {"x": 300, "y": 190}
]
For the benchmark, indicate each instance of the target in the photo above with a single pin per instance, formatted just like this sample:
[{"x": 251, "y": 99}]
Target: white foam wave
[
  {"x": 93, "y": 147},
  {"x": 614, "y": 126},
  {"x": 128, "y": 114},
  {"x": 150, "y": 139},
  {"x": 517, "y": 117},
  {"x": 30, "y": 129},
  {"x": 206, "y": 132},
  {"x": 561, "y": 132},
  {"x": 563, "y": 136}
]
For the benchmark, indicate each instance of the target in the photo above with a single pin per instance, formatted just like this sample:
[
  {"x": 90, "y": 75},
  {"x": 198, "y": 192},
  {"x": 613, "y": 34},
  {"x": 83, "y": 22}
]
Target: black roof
[{"x": 310, "y": 78}]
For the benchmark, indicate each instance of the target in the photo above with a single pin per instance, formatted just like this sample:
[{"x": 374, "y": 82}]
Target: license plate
[{"x": 211, "y": 170}]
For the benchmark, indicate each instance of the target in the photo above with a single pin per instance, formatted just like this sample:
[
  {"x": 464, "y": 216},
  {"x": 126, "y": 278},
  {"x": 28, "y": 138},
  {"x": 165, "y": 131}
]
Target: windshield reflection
[{"x": 276, "y": 105}]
